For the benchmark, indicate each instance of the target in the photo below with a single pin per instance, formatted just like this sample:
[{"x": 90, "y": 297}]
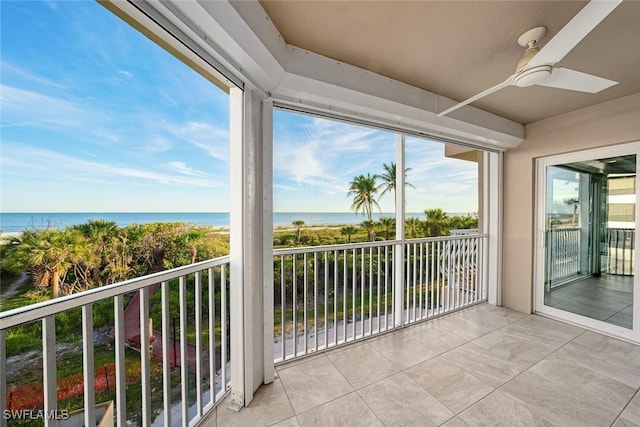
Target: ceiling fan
[{"x": 537, "y": 66}]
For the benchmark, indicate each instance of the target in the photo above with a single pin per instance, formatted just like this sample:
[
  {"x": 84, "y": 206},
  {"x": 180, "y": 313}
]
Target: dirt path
[{"x": 13, "y": 288}]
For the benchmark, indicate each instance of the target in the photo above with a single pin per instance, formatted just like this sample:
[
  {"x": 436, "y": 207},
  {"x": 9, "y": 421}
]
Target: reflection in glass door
[{"x": 589, "y": 238}]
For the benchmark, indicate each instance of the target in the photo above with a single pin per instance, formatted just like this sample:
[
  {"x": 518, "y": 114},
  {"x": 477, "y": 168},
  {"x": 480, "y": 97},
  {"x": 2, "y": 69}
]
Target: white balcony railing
[
  {"x": 324, "y": 296},
  {"x": 194, "y": 375},
  {"x": 327, "y": 296}
]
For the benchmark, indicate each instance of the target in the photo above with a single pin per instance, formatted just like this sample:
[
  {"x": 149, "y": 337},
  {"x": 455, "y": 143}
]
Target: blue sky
[{"x": 95, "y": 117}]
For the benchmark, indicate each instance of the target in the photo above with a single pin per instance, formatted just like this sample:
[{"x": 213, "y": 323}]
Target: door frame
[{"x": 540, "y": 209}]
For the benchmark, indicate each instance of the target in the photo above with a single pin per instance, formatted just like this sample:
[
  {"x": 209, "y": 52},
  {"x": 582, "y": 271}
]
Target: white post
[
  {"x": 267, "y": 244},
  {"x": 250, "y": 198},
  {"x": 492, "y": 273},
  {"x": 398, "y": 287}
]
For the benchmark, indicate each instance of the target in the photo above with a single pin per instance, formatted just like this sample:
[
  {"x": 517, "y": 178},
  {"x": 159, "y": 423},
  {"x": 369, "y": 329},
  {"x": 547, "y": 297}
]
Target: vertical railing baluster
[
  {"x": 184, "y": 362},
  {"x": 326, "y": 301},
  {"x": 88, "y": 365},
  {"x": 49, "y": 368},
  {"x": 421, "y": 281},
  {"x": 415, "y": 279},
  {"x": 431, "y": 288},
  {"x": 370, "y": 290},
  {"x": 345, "y": 316},
  {"x": 283, "y": 309},
  {"x": 315, "y": 301},
  {"x": 362, "y": 278},
  {"x": 378, "y": 288},
  {"x": 294, "y": 307},
  {"x": 145, "y": 371},
  {"x": 335, "y": 297},
  {"x": 305, "y": 319},
  {"x": 198, "y": 314},
  {"x": 3, "y": 378},
  {"x": 223, "y": 329},
  {"x": 211, "y": 288},
  {"x": 440, "y": 275},
  {"x": 353, "y": 292},
  {"x": 386, "y": 287},
  {"x": 406, "y": 278},
  {"x": 121, "y": 385},
  {"x": 166, "y": 354}
]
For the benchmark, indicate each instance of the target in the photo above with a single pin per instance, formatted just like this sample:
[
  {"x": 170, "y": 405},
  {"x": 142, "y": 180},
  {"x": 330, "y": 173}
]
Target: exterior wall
[{"x": 610, "y": 123}]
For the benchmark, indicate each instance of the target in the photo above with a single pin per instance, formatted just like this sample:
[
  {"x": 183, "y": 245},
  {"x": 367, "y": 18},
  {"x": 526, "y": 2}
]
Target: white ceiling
[{"x": 459, "y": 48}]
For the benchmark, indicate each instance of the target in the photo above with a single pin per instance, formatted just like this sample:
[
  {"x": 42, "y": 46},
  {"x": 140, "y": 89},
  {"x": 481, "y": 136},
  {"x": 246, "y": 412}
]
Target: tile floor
[
  {"x": 608, "y": 298},
  {"x": 483, "y": 366}
]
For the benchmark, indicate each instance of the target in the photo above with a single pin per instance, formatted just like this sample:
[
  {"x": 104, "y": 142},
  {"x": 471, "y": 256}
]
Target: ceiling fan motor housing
[{"x": 532, "y": 76}]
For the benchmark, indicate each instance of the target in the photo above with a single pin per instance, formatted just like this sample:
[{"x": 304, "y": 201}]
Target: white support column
[
  {"x": 492, "y": 225},
  {"x": 247, "y": 237},
  {"x": 267, "y": 244},
  {"x": 398, "y": 290}
]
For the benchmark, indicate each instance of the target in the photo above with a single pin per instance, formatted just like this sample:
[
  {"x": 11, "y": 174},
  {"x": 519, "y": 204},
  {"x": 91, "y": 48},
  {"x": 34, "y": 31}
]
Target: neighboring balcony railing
[
  {"x": 564, "y": 253},
  {"x": 190, "y": 370},
  {"x": 619, "y": 251},
  {"x": 326, "y": 296}
]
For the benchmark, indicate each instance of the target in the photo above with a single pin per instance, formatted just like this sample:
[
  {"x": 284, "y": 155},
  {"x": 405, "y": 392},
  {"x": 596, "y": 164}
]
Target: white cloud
[
  {"x": 72, "y": 168},
  {"x": 212, "y": 139},
  {"x": 182, "y": 168}
]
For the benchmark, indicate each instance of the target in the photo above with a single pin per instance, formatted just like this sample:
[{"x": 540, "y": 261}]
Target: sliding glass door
[{"x": 585, "y": 252}]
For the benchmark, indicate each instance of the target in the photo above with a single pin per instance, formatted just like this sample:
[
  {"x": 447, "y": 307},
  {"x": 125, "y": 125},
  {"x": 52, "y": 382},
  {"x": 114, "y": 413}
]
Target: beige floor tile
[
  {"x": 292, "y": 363},
  {"x": 211, "y": 420},
  {"x": 434, "y": 337},
  {"x": 289, "y": 422},
  {"x": 313, "y": 383},
  {"x": 362, "y": 365},
  {"x": 462, "y": 326},
  {"x": 269, "y": 405},
  {"x": 483, "y": 364},
  {"x": 498, "y": 409},
  {"x": 398, "y": 400},
  {"x": 450, "y": 384},
  {"x": 455, "y": 422},
  {"x": 609, "y": 356},
  {"x": 543, "y": 330},
  {"x": 402, "y": 350},
  {"x": 349, "y": 410},
  {"x": 492, "y": 317},
  {"x": 568, "y": 394},
  {"x": 520, "y": 351},
  {"x": 631, "y": 413}
]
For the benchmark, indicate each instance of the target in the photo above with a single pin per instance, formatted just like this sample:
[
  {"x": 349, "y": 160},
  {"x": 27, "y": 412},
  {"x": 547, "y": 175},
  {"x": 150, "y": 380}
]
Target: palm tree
[
  {"x": 412, "y": 225},
  {"x": 50, "y": 254},
  {"x": 436, "y": 221},
  {"x": 389, "y": 178},
  {"x": 348, "y": 231},
  {"x": 387, "y": 224},
  {"x": 370, "y": 226},
  {"x": 574, "y": 202},
  {"x": 363, "y": 189},
  {"x": 298, "y": 223}
]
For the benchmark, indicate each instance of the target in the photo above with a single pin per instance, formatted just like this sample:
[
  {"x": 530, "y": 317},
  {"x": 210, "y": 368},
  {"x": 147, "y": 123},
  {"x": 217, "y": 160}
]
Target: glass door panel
[{"x": 589, "y": 238}]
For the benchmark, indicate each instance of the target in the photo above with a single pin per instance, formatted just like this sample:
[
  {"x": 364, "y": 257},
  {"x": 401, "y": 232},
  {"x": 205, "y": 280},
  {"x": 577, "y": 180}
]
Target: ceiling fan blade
[
  {"x": 565, "y": 78},
  {"x": 506, "y": 83},
  {"x": 575, "y": 30}
]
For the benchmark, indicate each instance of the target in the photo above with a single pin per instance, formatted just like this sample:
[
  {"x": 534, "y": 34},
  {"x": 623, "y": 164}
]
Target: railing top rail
[
  {"x": 359, "y": 245},
  {"x": 40, "y": 310}
]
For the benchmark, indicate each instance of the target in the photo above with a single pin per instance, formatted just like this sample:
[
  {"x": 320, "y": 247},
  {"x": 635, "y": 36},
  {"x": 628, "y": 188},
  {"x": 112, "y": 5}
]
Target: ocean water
[{"x": 13, "y": 222}]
